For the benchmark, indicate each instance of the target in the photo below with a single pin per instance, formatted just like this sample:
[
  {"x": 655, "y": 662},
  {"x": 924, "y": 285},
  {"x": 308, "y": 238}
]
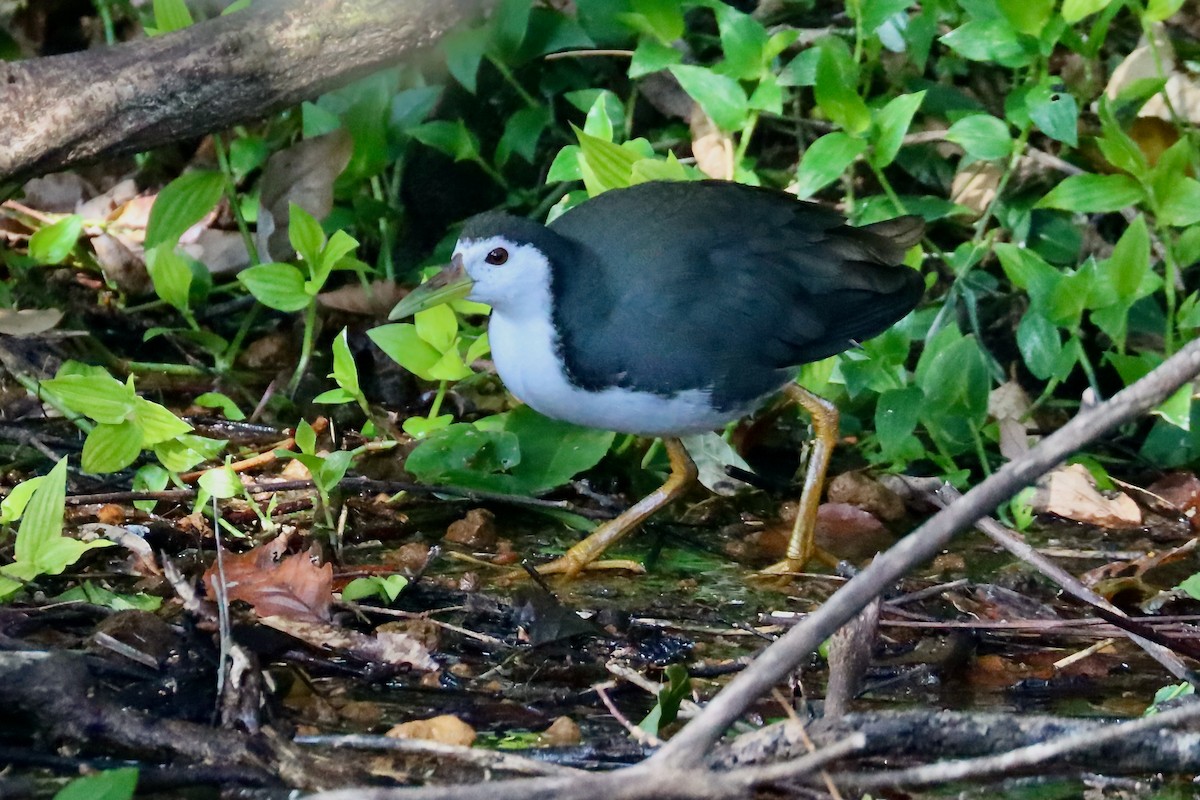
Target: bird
[{"x": 669, "y": 308}]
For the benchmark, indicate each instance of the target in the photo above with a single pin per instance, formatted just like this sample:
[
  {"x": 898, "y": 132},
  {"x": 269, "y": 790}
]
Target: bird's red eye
[{"x": 497, "y": 256}]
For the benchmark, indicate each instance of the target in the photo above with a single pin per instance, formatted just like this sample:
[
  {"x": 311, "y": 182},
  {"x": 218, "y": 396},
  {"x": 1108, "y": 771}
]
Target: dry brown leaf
[
  {"x": 123, "y": 263},
  {"x": 563, "y": 732},
  {"x": 1009, "y": 405},
  {"x": 476, "y": 531},
  {"x": 28, "y": 321},
  {"x": 1070, "y": 493},
  {"x": 712, "y": 147},
  {"x": 221, "y": 252},
  {"x": 975, "y": 185},
  {"x": 394, "y": 649},
  {"x": 302, "y": 174},
  {"x": 375, "y": 300},
  {"x": 276, "y": 585},
  {"x": 447, "y": 729},
  {"x": 862, "y": 491}
]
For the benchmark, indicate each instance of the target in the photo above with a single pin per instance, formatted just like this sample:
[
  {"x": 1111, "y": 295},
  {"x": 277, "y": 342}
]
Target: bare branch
[{"x": 59, "y": 111}]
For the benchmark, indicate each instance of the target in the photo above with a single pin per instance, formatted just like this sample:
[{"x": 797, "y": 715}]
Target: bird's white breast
[{"x": 523, "y": 348}]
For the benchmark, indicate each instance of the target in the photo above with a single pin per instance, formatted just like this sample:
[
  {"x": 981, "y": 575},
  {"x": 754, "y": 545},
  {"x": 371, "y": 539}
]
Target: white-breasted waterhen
[{"x": 670, "y": 308}]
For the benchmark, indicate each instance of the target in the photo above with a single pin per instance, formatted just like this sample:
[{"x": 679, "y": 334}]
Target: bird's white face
[{"x": 505, "y": 275}]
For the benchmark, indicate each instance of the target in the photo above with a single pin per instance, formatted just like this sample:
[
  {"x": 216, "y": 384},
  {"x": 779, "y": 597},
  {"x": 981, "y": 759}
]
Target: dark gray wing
[{"x": 719, "y": 285}]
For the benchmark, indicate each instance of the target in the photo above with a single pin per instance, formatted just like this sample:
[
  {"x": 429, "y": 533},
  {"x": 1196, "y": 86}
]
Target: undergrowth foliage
[{"x": 1050, "y": 147}]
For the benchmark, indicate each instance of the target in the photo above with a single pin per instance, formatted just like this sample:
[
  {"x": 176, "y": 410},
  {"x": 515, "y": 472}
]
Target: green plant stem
[
  {"x": 744, "y": 140},
  {"x": 1088, "y": 369},
  {"x": 110, "y": 34},
  {"x": 886, "y": 185},
  {"x": 310, "y": 334},
  {"x": 231, "y": 195},
  {"x": 385, "y": 232},
  {"x": 506, "y": 73},
  {"x": 225, "y": 362},
  {"x": 493, "y": 173},
  {"x": 155, "y": 367},
  {"x": 1014, "y": 158},
  {"x": 1170, "y": 277},
  {"x": 436, "y": 408},
  {"x": 49, "y": 398}
]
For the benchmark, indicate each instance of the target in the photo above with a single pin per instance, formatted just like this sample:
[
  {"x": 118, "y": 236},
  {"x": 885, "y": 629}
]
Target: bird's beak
[{"x": 452, "y": 283}]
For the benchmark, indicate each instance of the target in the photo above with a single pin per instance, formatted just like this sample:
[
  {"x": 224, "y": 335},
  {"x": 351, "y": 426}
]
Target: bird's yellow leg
[
  {"x": 802, "y": 547},
  {"x": 581, "y": 556}
]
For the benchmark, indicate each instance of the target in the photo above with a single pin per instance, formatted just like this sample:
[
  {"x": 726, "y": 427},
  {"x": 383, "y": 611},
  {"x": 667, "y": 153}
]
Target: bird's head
[{"x": 498, "y": 260}]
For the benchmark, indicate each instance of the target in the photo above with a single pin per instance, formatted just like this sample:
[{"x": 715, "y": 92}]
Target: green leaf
[
  {"x": 89, "y": 592},
  {"x": 98, "y": 397},
  {"x": 157, "y": 423},
  {"x": 565, "y": 166},
  {"x": 386, "y": 589},
  {"x": 43, "y": 518},
  {"x": 277, "y": 286},
  {"x": 521, "y": 134},
  {"x": 670, "y": 696},
  {"x": 400, "y": 342},
  {"x": 662, "y": 19},
  {"x": 1055, "y": 112},
  {"x": 109, "y": 448},
  {"x": 451, "y": 138},
  {"x": 171, "y": 274},
  {"x": 1094, "y": 193},
  {"x": 1075, "y": 10},
  {"x": 510, "y": 20},
  {"x": 184, "y": 452},
  {"x": 1117, "y": 146},
  {"x": 149, "y": 478},
  {"x": 836, "y": 89},
  {"x": 954, "y": 378},
  {"x": 1180, "y": 208},
  {"x": 983, "y": 136},
  {"x": 345, "y": 371},
  {"x": 13, "y": 504},
  {"x": 1160, "y": 10},
  {"x": 744, "y": 41},
  {"x": 722, "y": 98},
  {"x": 991, "y": 40},
  {"x": 221, "y": 482},
  {"x": 181, "y": 204},
  {"x": 896, "y": 414},
  {"x": 305, "y": 234},
  {"x": 1027, "y": 16},
  {"x": 225, "y": 404},
  {"x": 1177, "y": 409},
  {"x": 605, "y": 116},
  {"x": 463, "y": 455},
  {"x": 171, "y": 15},
  {"x": 604, "y": 165},
  {"x": 1130, "y": 261},
  {"x": 438, "y": 326},
  {"x": 335, "y": 397},
  {"x": 876, "y": 12},
  {"x": 306, "y": 438},
  {"x": 333, "y": 469},
  {"x": 464, "y": 52},
  {"x": 53, "y": 243},
  {"x": 652, "y": 55},
  {"x": 825, "y": 160},
  {"x": 891, "y": 123},
  {"x": 1040, "y": 344},
  {"x": 113, "y": 784}
]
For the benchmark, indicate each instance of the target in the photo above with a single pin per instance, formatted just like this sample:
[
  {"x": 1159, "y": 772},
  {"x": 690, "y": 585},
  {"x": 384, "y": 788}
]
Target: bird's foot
[
  {"x": 797, "y": 565},
  {"x": 569, "y": 568}
]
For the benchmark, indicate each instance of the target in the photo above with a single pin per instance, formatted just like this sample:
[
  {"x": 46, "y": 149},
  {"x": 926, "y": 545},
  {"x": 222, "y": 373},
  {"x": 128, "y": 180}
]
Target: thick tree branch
[{"x": 58, "y": 111}]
